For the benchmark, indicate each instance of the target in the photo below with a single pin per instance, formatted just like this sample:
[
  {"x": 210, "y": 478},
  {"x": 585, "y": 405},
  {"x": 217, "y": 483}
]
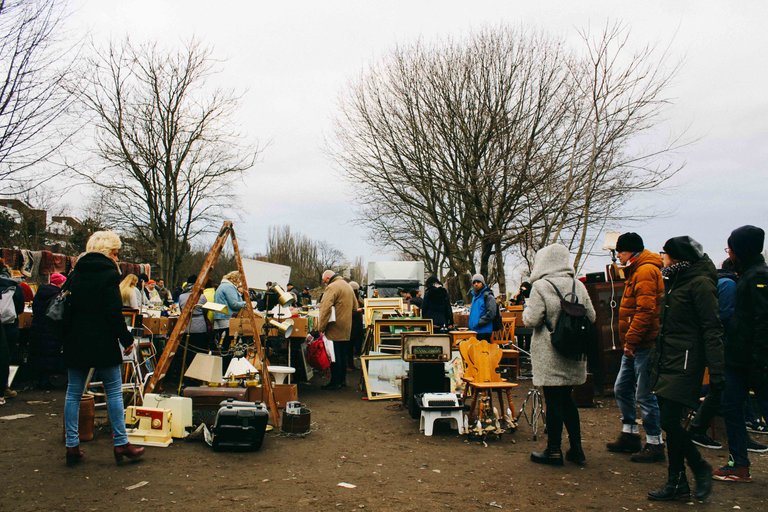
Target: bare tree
[
  {"x": 307, "y": 258},
  {"x": 32, "y": 100},
  {"x": 443, "y": 141},
  {"x": 464, "y": 151},
  {"x": 168, "y": 155}
]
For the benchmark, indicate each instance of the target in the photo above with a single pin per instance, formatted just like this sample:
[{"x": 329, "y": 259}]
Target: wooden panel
[{"x": 605, "y": 361}]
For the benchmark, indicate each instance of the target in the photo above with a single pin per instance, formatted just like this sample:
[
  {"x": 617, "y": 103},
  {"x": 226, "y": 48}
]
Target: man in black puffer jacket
[{"x": 746, "y": 355}]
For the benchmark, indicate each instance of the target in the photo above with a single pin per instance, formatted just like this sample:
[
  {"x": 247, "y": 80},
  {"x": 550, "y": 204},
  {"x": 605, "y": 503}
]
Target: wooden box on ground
[
  {"x": 206, "y": 401},
  {"x": 284, "y": 393}
]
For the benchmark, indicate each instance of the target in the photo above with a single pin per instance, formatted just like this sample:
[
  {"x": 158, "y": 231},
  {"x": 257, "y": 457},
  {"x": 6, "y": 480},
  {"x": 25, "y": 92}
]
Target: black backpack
[{"x": 572, "y": 335}]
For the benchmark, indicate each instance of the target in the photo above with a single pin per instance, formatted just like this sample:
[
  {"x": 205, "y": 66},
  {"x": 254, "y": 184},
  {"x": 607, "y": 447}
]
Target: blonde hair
[
  {"x": 126, "y": 287},
  {"x": 233, "y": 277},
  {"x": 104, "y": 242}
]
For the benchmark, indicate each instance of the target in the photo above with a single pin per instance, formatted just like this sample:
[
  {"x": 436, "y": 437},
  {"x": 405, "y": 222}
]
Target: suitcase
[
  {"x": 206, "y": 401},
  {"x": 240, "y": 426}
]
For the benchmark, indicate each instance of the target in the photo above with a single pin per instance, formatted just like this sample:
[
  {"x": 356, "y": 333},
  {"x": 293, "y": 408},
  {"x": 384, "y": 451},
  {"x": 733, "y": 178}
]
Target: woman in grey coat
[{"x": 554, "y": 373}]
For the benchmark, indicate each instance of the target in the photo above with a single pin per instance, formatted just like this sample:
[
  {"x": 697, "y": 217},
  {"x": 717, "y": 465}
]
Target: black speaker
[{"x": 424, "y": 378}]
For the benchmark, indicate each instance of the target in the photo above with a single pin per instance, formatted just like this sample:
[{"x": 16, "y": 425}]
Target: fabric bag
[
  {"x": 7, "y": 307},
  {"x": 572, "y": 334},
  {"x": 58, "y": 306},
  {"x": 317, "y": 357}
]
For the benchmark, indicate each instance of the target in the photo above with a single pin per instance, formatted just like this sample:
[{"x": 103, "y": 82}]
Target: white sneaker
[{"x": 2, "y": 400}]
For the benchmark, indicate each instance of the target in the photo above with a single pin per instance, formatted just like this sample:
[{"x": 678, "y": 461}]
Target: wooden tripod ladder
[{"x": 227, "y": 231}]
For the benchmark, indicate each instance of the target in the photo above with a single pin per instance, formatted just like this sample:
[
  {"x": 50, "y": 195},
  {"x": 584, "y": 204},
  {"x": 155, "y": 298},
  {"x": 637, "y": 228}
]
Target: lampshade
[
  {"x": 285, "y": 327},
  {"x": 240, "y": 366},
  {"x": 611, "y": 238},
  {"x": 205, "y": 367},
  {"x": 283, "y": 297}
]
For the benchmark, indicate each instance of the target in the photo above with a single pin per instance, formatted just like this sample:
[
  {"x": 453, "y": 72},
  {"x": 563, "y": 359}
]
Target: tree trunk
[{"x": 502, "y": 278}]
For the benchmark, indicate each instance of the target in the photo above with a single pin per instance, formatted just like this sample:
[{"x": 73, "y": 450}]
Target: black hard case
[
  {"x": 206, "y": 401},
  {"x": 240, "y": 426}
]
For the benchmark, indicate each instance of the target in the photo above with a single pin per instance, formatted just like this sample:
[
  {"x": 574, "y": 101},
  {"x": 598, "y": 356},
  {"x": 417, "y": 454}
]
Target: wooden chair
[
  {"x": 510, "y": 356},
  {"x": 481, "y": 360}
]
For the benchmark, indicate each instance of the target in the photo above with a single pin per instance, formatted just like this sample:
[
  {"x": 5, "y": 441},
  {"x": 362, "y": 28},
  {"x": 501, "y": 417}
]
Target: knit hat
[
  {"x": 58, "y": 279},
  {"x": 431, "y": 281},
  {"x": 684, "y": 248},
  {"x": 479, "y": 278},
  {"x": 747, "y": 241},
  {"x": 629, "y": 242}
]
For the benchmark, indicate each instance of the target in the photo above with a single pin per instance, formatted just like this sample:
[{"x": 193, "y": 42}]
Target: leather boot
[
  {"x": 74, "y": 455},
  {"x": 576, "y": 455},
  {"x": 550, "y": 456},
  {"x": 702, "y": 474},
  {"x": 626, "y": 443},
  {"x": 675, "y": 488},
  {"x": 129, "y": 451}
]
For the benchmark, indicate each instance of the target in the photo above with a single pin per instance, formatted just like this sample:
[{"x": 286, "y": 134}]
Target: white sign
[{"x": 258, "y": 273}]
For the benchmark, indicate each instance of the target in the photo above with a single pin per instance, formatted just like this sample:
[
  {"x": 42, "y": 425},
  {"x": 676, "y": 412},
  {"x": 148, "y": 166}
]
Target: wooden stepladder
[{"x": 227, "y": 231}]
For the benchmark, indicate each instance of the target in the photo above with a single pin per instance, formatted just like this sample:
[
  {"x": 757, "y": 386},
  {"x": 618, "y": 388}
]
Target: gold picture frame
[{"x": 381, "y": 374}]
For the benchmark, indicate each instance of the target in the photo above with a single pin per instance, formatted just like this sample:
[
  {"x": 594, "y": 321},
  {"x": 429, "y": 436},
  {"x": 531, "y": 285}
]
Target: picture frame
[
  {"x": 380, "y": 375},
  {"x": 386, "y": 333},
  {"x": 382, "y": 306}
]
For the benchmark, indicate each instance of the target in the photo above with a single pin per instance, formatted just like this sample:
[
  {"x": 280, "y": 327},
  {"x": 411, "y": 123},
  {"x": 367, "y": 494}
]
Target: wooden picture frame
[
  {"x": 413, "y": 325},
  {"x": 386, "y": 305},
  {"x": 379, "y": 370}
]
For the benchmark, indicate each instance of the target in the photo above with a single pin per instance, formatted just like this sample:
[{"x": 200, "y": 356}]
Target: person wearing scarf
[{"x": 690, "y": 341}]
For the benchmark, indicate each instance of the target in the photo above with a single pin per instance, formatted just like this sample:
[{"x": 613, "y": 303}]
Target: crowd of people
[{"x": 680, "y": 319}]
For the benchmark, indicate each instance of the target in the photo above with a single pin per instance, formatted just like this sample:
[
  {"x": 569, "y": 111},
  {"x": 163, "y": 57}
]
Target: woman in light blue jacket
[{"x": 229, "y": 294}]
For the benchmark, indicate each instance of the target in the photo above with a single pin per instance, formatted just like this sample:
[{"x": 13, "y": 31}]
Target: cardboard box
[
  {"x": 243, "y": 326},
  {"x": 300, "y": 327},
  {"x": 284, "y": 393},
  {"x": 159, "y": 326}
]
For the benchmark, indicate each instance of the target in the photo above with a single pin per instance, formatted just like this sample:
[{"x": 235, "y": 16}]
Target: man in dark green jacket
[{"x": 746, "y": 355}]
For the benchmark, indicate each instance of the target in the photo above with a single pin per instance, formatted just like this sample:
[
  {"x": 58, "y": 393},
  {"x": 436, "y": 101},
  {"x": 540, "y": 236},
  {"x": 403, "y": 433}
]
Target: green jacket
[{"x": 691, "y": 335}]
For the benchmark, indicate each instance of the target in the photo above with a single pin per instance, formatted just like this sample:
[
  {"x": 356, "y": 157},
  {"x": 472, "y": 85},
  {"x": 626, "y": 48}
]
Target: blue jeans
[
  {"x": 113, "y": 381},
  {"x": 633, "y": 388},
  {"x": 734, "y": 397}
]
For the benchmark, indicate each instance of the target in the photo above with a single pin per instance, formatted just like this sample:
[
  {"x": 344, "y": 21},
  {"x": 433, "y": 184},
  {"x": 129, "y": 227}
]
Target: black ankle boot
[
  {"x": 702, "y": 474},
  {"x": 550, "y": 456},
  {"x": 576, "y": 455},
  {"x": 675, "y": 488}
]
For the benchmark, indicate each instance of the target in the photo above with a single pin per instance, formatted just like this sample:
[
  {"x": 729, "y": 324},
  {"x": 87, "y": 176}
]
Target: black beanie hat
[
  {"x": 431, "y": 280},
  {"x": 747, "y": 241},
  {"x": 630, "y": 242},
  {"x": 684, "y": 248}
]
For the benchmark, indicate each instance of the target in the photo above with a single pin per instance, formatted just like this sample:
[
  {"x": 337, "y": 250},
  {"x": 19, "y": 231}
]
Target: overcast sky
[{"x": 293, "y": 60}]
